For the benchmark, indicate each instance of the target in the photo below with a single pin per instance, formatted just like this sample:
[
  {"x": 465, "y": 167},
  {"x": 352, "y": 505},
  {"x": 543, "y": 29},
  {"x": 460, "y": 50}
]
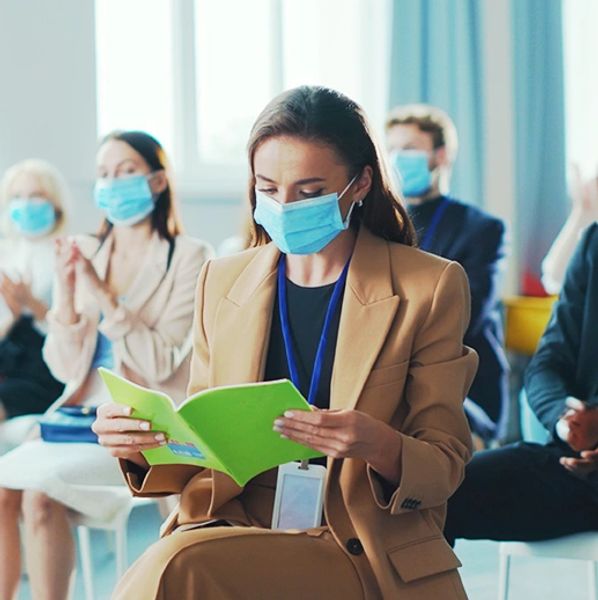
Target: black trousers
[
  {"x": 26, "y": 384},
  {"x": 521, "y": 493}
]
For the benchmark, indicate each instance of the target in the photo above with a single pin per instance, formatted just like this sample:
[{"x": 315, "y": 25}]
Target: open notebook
[{"x": 227, "y": 428}]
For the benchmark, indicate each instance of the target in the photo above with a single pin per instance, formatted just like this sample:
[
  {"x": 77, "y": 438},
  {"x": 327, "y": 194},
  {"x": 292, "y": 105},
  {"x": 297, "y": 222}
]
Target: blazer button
[{"x": 354, "y": 546}]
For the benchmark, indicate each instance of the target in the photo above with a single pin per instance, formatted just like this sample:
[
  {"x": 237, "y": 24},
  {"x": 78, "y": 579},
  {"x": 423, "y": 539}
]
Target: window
[
  {"x": 134, "y": 67},
  {"x": 220, "y": 61},
  {"x": 581, "y": 83}
]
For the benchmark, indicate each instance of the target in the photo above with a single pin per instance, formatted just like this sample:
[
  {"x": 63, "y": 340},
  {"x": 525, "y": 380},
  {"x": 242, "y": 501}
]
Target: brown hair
[
  {"x": 428, "y": 119},
  {"x": 165, "y": 218},
  {"x": 322, "y": 115}
]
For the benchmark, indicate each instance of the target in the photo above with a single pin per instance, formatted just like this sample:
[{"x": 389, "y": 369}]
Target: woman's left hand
[
  {"x": 86, "y": 272},
  {"x": 337, "y": 433},
  {"x": 345, "y": 434},
  {"x": 17, "y": 294}
]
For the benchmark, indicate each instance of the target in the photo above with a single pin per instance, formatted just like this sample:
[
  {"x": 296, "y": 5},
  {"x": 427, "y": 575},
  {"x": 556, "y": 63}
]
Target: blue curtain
[
  {"x": 540, "y": 177},
  {"x": 436, "y": 58}
]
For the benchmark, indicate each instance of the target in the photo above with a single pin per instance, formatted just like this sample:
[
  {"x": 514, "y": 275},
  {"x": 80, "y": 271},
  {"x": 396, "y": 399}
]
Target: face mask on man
[
  {"x": 304, "y": 226},
  {"x": 126, "y": 201},
  {"x": 411, "y": 166},
  {"x": 33, "y": 217}
]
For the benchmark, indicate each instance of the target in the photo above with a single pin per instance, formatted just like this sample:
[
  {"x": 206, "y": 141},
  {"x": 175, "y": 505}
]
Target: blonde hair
[
  {"x": 51, "y": 181},
  {"x": 428, "y": 119}
]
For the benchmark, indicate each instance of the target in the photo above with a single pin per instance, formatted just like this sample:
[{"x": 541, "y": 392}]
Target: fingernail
[
  {"x": 160, "y": 437},
  {"x": 284, "y": 437},
  {"x": 278, "y": 423},
  {"x": 289, "y": 414},
  {"x": 145, "y": 426},
  {"x": 127, "y": 410},
  {"x": 277, "y": 428}
]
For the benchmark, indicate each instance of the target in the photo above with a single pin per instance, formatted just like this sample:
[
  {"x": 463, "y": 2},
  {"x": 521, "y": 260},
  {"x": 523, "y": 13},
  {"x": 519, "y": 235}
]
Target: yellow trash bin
[{"x": 526, "y": 318}]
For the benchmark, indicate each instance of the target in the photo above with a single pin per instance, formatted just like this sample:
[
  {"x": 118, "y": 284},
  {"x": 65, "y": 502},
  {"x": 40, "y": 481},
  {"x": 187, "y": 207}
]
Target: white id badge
[{"x": 299, "y": 497}]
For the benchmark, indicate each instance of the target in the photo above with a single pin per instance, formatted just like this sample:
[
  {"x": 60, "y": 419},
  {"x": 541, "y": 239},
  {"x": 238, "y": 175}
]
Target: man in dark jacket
[
  {"x": 422, "y": 142},
  {"x": 530, "y": 491}
]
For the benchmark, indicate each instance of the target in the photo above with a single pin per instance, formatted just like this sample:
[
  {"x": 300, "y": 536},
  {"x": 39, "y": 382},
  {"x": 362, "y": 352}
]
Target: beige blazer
[
  {"x": 400, "y": 358},
  {"x": 150, "y": 330}
]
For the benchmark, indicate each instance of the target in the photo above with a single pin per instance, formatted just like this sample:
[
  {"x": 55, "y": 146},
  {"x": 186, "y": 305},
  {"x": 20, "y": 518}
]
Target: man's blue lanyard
[
  {"x": 428, "y": 237},
  {"x": 286, "y": 328}
]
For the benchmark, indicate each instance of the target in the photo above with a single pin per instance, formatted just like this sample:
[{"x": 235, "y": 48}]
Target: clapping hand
[
  {"x": 579, "y": 428},
  {"x": 15, "y": 294}
]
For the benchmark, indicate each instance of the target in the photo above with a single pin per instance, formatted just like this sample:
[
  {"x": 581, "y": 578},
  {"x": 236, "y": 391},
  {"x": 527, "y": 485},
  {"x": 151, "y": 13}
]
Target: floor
[{"x": 531, "y": 579}]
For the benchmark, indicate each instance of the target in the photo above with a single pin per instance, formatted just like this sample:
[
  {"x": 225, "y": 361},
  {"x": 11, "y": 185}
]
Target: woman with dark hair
[
  {"x": 334, "y": 297},
  {"x": 123, "y": 299}
]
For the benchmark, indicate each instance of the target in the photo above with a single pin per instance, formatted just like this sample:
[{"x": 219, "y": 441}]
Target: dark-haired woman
[
  {"x": 123, "y": 300},
  {"x": 334, "y": 297}
]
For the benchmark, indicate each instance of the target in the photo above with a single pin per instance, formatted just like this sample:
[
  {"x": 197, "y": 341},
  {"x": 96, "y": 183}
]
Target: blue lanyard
[
  {"x": 433, "y": 226},
  {"x": 286, "y": 328}
]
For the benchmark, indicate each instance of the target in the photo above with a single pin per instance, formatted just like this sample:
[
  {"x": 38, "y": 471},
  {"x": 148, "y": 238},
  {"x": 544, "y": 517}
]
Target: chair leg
[
  {"x": 121, "y": 549},
  {"x": 592, "y": 581},
  {"x": 86, "y": 563},
  {"x": 504, "y": 574}
]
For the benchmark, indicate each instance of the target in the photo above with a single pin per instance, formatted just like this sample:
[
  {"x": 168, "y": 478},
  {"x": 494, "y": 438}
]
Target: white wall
[{"x": 47, "y": 95}]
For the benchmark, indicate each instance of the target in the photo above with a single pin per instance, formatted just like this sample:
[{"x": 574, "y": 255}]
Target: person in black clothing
[
  {"x": 422, "y": 142},
  {"x": 529, "y": 491}
]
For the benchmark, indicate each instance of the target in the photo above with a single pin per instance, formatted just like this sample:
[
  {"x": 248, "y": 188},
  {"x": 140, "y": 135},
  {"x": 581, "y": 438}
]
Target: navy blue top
[
  {"x": 566, "y": 361},
  {"x": 476, "y": 240}
]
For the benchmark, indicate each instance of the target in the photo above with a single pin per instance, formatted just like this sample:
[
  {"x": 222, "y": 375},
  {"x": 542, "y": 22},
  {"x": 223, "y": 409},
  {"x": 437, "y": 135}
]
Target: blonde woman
[{"x": 33, "y": 197}]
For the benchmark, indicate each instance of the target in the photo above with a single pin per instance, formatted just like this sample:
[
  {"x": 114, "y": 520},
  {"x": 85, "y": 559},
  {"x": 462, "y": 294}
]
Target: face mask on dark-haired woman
[{"x": 126, "y": 201}]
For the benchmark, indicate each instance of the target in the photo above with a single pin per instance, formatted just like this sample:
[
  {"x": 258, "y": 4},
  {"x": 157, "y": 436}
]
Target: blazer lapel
[
  {"x": 241, "y": 336},
  {"x": 243, "y": 322},
  {"x": 150, "y": 274},
  {"x": 368, "y": 310}
]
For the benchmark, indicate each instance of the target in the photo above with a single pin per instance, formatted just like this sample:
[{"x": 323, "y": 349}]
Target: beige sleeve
[
  {"x": 436, "y": 438},
  {"x": 161, "y": 480},
  {"x": 64, "y": 345}
]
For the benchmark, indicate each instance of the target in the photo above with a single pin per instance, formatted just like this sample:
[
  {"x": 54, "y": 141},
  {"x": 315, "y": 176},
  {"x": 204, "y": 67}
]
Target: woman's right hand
[
  {"x": 66, "y": 260},
  {"x": 124, "y": 436}
]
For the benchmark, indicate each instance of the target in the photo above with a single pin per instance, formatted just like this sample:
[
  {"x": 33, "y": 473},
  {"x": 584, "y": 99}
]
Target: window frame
[{"x": 199, "y": 180}]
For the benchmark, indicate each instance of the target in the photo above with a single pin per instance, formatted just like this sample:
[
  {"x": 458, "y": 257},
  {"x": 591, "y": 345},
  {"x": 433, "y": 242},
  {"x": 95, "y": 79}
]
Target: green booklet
[{"x": 228, "y": 428}]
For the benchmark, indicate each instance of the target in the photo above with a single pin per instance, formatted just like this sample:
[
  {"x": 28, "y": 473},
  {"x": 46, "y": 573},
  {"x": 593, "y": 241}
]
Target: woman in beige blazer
[
  {"x": 393, "y": 378},
  {"x": 122, "y": 300}
]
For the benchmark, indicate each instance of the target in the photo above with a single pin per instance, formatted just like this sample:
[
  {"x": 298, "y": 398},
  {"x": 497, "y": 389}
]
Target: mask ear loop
[{"x": 360, "y": 203}]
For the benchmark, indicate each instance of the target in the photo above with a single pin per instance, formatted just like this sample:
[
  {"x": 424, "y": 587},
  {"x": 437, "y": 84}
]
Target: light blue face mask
[
  {"x": 415, "y": 178},
  {"x": 33, "y": 217},
  {"x": 126, "y": 201},
  {"x": 303, "y": 226}
]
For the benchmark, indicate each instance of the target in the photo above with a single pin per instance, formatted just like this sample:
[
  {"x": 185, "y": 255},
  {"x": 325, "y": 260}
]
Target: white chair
[
  {"x": 118, "y": 525},
  {"x": 580, "y": 546},
  {"x": 14, "y": 431}
]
